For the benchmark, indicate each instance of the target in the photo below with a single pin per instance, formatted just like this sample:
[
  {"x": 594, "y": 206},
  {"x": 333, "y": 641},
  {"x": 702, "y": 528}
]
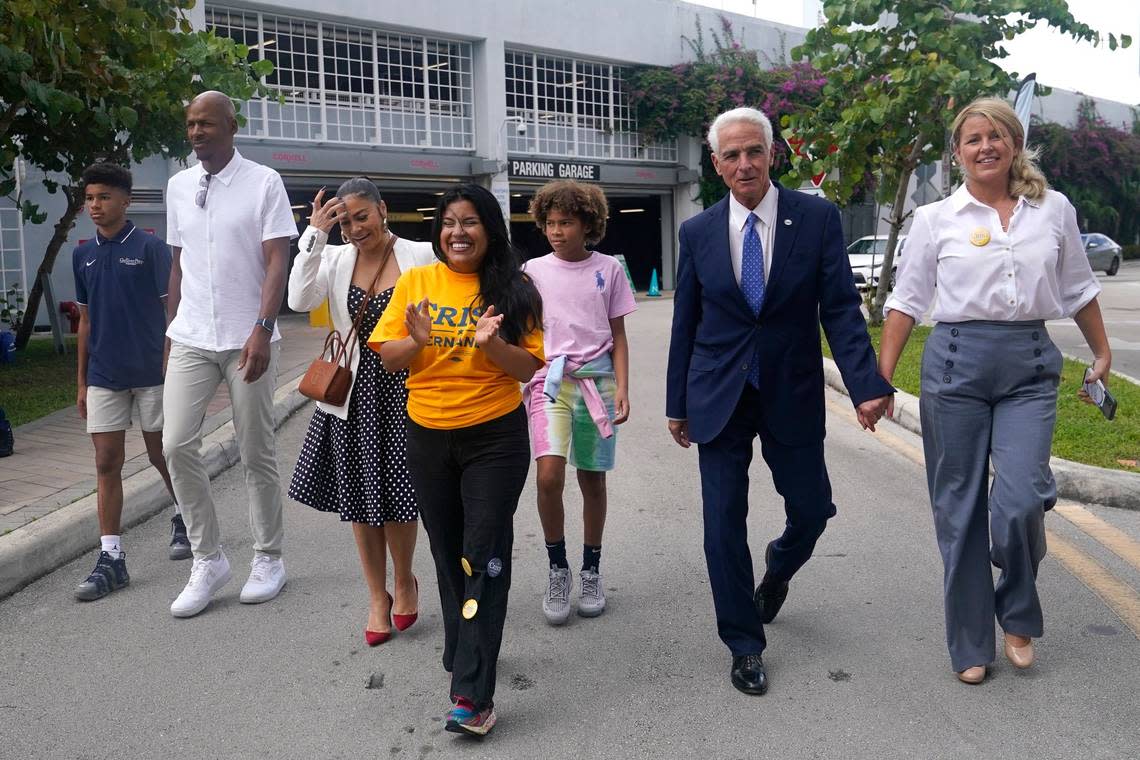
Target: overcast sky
[{"x": 1058, "y": 60}]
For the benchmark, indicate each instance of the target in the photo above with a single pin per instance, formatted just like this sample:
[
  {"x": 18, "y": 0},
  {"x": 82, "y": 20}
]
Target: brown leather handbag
[{"x": 329, "y": 379}]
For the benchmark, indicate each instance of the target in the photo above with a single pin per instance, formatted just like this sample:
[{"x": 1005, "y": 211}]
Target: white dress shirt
[
  {"x": 1036, "y": 270},
  {"x": 765, "y": 228},
  {"x": 223, "y": 267}
]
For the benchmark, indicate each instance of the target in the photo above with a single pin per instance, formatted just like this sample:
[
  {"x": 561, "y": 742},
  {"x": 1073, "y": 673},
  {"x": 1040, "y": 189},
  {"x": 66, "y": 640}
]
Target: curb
[
  {"x": 41, "y": 546},
  {"x": 1075, "y": 481}
]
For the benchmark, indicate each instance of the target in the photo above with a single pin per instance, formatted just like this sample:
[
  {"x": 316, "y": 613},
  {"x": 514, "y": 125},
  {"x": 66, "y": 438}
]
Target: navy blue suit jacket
[{"x": 714, "y": 330}]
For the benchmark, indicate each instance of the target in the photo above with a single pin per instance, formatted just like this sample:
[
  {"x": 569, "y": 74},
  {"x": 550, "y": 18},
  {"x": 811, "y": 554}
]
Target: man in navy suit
[{"x": 758, "y": 273}]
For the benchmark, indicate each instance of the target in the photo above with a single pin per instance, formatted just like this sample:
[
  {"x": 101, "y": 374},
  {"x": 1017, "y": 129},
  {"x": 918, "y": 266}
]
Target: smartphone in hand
[{"x": 1100, "y": 396}]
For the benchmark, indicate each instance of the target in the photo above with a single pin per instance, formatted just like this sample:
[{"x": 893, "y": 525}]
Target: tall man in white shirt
[{"x": 229, "y": 224}]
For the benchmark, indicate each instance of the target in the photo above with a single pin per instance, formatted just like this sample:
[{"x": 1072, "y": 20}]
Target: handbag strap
[{"x": 348, "y": 345}]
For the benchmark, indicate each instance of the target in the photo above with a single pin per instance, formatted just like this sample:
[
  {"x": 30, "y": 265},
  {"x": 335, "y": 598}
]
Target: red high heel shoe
[
  {"x": 404, "y": 622},
  {"x": 376, "y": 638}
]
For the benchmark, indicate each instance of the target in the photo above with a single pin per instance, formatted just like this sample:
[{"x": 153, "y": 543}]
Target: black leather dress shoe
[
  {"x": 748, "y": 674},
  {"x": 770, "y": 594}
]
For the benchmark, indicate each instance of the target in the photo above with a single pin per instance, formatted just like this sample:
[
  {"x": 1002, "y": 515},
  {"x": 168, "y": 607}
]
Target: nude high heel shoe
[
  {"x": 974, "y": 675},
  {"x": 1020, "y": 656}
]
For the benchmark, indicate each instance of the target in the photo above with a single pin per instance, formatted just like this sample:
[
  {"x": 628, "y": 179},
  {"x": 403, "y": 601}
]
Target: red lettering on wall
[{"x": 292, "y": 158}]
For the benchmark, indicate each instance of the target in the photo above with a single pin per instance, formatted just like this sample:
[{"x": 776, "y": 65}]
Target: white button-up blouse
[{"x": 956, "y": 247}]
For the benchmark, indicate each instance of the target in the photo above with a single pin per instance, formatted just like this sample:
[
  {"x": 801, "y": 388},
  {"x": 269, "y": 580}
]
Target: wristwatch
[{"x": 267, "y": 323}]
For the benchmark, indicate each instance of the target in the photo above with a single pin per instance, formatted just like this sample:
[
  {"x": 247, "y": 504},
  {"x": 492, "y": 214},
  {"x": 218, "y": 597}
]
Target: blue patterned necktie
[{"x": 752, "y": 284}]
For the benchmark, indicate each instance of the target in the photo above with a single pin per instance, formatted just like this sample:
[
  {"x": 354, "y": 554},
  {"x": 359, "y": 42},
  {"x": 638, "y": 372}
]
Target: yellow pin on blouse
[
  {"x": 465, "y": 565},
  {"x": 470, "y": 607},
  {"x": 980, "y": 236}
]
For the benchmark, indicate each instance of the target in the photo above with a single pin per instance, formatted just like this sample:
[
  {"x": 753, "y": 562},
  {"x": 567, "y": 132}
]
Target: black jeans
[{"x": 468, "y": 483}]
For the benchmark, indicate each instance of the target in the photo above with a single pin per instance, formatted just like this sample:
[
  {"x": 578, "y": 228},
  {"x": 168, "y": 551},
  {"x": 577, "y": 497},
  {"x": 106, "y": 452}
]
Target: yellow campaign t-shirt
[{"x": 452, "y": 383}]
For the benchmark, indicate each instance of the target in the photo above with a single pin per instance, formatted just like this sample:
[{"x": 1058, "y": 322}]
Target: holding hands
[
  {"x": 326, "y": 214},
  {"x": 871, "y": 411}
]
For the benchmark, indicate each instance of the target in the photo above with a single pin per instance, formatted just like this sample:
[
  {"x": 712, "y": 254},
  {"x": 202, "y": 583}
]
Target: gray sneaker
[
  {"x": 556, "y": 603},
  {"x": 592, "y": 599},
  {"x": 179, "y": 542}
]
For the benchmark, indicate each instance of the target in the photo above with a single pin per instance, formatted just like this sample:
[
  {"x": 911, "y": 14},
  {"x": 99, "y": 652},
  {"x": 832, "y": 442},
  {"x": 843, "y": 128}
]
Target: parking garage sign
[{"x": 555, "y": 170}]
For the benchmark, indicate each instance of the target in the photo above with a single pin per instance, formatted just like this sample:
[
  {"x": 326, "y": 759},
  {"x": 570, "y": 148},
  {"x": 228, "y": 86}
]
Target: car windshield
[
  {"x": 865, "y": 247},
  {"x": 875, "y": 246}
]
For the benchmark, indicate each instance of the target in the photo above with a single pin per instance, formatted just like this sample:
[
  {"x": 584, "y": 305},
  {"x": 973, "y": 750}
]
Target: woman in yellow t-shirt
[{"x": 469, "y": 328}]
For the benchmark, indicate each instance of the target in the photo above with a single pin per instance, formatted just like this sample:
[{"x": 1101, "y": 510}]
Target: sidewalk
[
  {"x": 53, "y": 464},
  {"x": 48, "y": 506}
]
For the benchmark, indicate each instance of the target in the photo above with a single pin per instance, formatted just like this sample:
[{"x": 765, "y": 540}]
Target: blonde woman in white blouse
[
  {"x": 1003, "y": 254},
  {"x": 354, "y": 457}
]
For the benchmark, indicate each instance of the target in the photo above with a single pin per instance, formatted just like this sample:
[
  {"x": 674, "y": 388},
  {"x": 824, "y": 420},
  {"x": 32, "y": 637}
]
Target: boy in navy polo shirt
[{"x": 120, "y": 283}]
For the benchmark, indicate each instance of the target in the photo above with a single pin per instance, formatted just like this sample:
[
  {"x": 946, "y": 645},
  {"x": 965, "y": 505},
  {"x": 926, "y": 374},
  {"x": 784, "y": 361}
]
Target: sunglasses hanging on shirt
[{"x": 204, "y": 187}]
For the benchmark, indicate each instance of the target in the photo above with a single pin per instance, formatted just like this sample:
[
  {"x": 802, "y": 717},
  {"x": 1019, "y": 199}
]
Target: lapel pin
[
  {"x": 788, "y": 222},
  {"x": 980, "y": 236}
]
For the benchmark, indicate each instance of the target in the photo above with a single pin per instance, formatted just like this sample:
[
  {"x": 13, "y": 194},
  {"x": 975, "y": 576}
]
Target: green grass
[
  {"x": 39, "y": 382},
  {"x": 1082, "y": 434}
]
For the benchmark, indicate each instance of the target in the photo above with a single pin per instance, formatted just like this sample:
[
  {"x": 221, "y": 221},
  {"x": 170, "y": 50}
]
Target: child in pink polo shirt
[{"x": 582, "y": 392}]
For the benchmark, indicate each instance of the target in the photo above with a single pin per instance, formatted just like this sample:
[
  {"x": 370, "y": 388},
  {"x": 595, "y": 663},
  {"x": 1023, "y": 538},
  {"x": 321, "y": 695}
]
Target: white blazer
[{"x": 322, "y": 271}]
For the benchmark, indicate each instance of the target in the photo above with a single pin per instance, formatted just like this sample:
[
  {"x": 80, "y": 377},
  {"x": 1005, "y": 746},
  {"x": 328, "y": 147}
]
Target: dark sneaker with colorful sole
[
  {"x": 179, "y": 541},
  {"x": 108, "y": 575},
  {"x": 465, "y": 719}
]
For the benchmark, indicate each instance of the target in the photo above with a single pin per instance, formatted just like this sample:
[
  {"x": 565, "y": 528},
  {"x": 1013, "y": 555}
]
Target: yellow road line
[
  {"x": 1118, "y": 542},
  {"x": 1119, "y": 596}
]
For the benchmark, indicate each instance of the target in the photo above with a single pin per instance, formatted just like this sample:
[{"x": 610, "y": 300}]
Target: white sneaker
[
  {"x": 206, "y": 577},
  {"x": 556, "y": 603},
  {"x": 266, "y": 579},
  {"x": 592, "y": 599}
]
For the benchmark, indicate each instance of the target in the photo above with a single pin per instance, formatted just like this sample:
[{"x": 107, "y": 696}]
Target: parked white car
[{"x": 866, "y": 257}]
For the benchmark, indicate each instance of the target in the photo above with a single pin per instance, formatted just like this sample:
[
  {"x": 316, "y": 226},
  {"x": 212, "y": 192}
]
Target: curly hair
[
  {"x": 112, "y": 175},
  {"x": 587, "y": 202},
  {"x": 1025, "y": 178}
]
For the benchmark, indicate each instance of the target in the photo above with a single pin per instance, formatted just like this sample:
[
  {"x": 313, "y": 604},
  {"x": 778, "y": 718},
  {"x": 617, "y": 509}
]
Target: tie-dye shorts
[{"x": 564, "y": 428}]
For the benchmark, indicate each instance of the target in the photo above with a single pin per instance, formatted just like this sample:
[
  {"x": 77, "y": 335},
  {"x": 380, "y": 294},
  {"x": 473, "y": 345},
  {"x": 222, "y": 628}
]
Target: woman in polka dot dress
[{"x": 354, "y": 458}]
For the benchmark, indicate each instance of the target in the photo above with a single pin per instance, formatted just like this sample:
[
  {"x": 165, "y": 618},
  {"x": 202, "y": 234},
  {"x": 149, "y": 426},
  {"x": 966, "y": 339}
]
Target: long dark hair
[{"x": 501, "y": 280}]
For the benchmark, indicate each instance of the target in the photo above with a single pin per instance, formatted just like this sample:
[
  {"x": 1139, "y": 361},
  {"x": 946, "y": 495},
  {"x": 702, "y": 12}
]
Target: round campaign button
[
  {"x": 494, "y": 567},
  {"x": 470, "y": 607},
  {"x": 465, "y": 565},
  {"x": 980, "y": 236}
]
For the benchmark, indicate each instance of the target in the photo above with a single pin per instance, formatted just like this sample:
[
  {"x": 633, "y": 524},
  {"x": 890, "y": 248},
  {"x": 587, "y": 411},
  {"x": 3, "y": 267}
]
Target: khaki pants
[{"x": 192, "y": 377}]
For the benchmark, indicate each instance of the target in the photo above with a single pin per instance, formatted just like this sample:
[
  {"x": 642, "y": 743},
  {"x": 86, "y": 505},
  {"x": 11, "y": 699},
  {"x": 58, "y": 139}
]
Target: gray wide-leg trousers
[{"x": 989, "y": 394}]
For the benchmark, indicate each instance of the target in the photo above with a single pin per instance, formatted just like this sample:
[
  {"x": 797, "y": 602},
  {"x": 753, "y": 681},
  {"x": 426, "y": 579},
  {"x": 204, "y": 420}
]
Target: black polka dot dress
[{"x": 359, "y": 466}]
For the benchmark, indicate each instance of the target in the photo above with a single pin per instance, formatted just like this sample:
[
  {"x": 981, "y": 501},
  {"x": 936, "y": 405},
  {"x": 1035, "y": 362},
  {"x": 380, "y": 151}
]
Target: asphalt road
[
  {"x": 857, "y": 661},
  {"x": 1120, "y": 305}
]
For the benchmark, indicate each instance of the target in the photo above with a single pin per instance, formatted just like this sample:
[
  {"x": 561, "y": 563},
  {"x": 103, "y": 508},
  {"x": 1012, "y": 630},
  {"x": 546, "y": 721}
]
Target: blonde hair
[{"x": 1025, "y": 178}]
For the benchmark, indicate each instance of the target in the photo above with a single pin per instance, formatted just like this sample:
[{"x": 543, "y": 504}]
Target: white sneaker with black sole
[
  {"x": 556, "y": 603},
  {"x": 592, "y": 597},
  {"x": 206, "y": 577},
  {"x": 266, "y": 579}
]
